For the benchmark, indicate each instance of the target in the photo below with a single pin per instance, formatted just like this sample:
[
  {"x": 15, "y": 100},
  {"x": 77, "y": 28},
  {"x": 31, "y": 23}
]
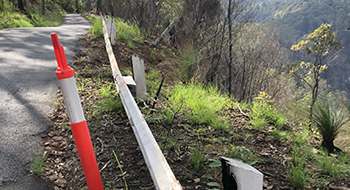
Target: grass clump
[
  {"x": 264, "y": 112},
  {"x": 202, "y": 104},
  {"x": 153, "y": 55},
  {"x": 334, "y": 168},
  {"x": 153, "y": 80},
  {"x": 196, "y": 157},
  {"x": 242, "y": 154},
  {"x": 110, "y": 100},
  {"x": 37, "y": 167},
  {"x": 328, "y": 121},
  {"x": 296, "y": 168},
  {"x": 189, "y": 59},
  {"x": 97, "y": 27},
  {"x": 128, "y": 33}
]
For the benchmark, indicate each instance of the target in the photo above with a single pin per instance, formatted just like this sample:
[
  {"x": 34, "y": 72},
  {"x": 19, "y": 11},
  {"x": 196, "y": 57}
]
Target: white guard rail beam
[{"x": 161, "y": 174}]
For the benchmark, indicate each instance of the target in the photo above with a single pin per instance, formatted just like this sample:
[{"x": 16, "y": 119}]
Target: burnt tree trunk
[
  {"x": 230, "y": 46},
  {"x": 20, "y": 5},
  {"x": 77, "y": 5},
  {"x": 43, "y": 7},
  {"x": 98, "y": 7},
  {"x": 329, "y": 145}
]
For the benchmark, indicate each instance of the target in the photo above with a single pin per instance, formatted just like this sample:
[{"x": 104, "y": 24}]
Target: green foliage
[
  {"x": 97, "y": 27},
  {"x": 264, "y": 112},
  {"x": 219, "y": 124},
  {"x": 169, "y": 116},
  {"x": 37, "y": 167},
  {"x": 10, "y": 18},
  {"x": 128, "y": 33},
  {"x": 297, "y": 175},
  {"x": 197, "y": 157},
  {"x": 242, "y": 154},
  {"x": 258, "y": 123},
  {"x": 153, "y": 80},
  {"x": 110, "y": 100},
  {"x": 189, "y": 59},
  {"x": 162, "y": 53},
  {"x": 332, "y": 167},
  {"x": 296, "y": 168},
  {"x": 153, "y": 55},
  {"x": 318, "y": 46},
  {"x": 121, "y": 170},
  {"x": 37, "y": 19},
  {"x": 172, "y": 9},
  {"x": 328, "y": 120},
  {"x": 321, "y": 42},
  {"x": 14, "y": 20},
  {"x": 202, "y": 104}
]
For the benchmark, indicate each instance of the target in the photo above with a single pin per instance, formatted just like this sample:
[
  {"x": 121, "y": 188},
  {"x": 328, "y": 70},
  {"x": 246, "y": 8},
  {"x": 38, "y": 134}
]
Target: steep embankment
[{"x": 192, "y": 124}]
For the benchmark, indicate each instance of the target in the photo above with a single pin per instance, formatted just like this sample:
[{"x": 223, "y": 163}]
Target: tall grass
[
  {"x": 97, "y": 27},
  {"x": 9, "y": 18},
  {"x": 263, "y": 112},
  {"x": 128, "y": 33},
  {"x": 201, "y": 104},
  {"x": 296, "y": 168},
  {"x": 14, "y": 20},
  {"x": 188, "y": 63}
]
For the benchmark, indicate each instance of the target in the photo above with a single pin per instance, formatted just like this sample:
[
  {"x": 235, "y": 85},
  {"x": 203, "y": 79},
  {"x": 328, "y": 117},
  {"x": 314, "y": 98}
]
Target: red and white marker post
[{"x": 65, "y": 75}]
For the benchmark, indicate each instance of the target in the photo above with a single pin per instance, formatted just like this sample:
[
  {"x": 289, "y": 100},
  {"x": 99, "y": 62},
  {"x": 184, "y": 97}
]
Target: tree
[{"x": 320, "y": 46}]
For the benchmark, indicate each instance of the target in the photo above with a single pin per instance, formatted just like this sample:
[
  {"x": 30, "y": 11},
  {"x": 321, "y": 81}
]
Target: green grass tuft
[
  {"x": 97, "y": 27},
  {"x": 201, "y": 104}
]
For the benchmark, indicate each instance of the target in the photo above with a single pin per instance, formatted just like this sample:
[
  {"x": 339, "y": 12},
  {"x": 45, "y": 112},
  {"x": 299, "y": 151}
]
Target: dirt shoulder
[{"x": 177, "y": 141}]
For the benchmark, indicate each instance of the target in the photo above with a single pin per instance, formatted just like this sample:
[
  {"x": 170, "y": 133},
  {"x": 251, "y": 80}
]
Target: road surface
[{"x": 27, "y": 90}]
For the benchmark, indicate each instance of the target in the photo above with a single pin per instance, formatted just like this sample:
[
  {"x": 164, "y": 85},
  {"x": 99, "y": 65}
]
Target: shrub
[
  {"x": 127, "y": 33},
  {"x": 264, "y": 111},
  {"x": 328, "y": 122}
]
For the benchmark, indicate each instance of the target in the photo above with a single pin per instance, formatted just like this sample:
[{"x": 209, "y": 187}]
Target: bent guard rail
[{"x": 158, "y": 167}]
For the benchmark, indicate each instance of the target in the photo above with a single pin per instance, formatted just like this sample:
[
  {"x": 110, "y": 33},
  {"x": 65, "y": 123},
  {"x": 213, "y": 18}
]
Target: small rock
[
  {"x": 57, "y": 138},
  {"x": 61, "y": 183},
  {"x": 333, "y": 187},
  {"x": 56, "y": 188},
  {"x": 53, "y": 177},
  {"x": 141, "y": 162},
  {"x": 55, "y": 144},
  {"x": 197, "y": 180},
  {"x": 269, "y": 187}
]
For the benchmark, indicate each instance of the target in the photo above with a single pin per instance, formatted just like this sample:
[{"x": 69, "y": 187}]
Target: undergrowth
[{"x": 11, "y": 18}]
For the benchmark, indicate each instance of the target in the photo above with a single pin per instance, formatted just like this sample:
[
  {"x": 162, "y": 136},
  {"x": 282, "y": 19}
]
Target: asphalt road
[{"x": 27, "y": 90}]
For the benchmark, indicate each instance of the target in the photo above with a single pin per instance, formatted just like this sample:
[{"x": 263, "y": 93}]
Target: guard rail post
[{"x": 65, "y": 75}]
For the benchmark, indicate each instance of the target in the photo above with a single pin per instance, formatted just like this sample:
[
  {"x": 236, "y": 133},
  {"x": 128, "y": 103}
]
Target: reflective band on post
[
  {"x": 71, "y": 100},
  {"x": 78, "y": 124}
]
